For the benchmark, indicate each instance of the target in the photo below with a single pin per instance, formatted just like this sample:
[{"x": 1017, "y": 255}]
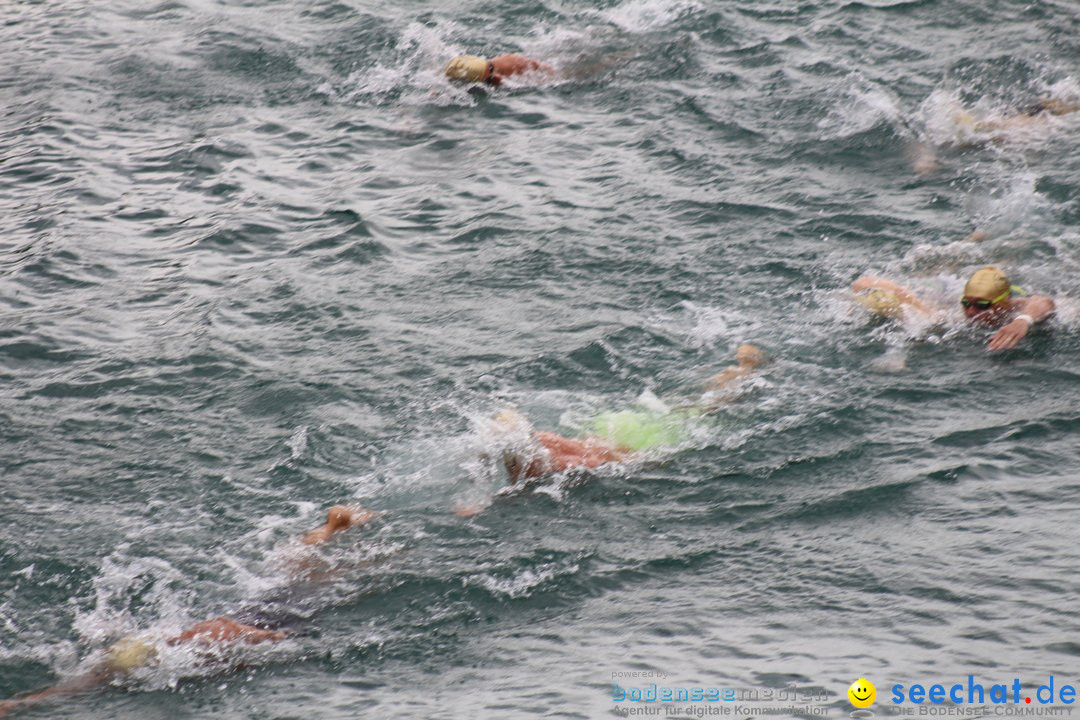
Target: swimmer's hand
[
  {"x": 1009, "y": 336},
  {"x": 338, "y": 518}
]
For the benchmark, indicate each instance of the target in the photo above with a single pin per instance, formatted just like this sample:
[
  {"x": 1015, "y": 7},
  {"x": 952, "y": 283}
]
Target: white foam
[
  {"x": 1067, "y": 313},
  {"x": 521, "y": 583},
  {"x": 110, "y": 616},
  {"x": 936, "y": 116},
  {"x": 648, "y": 400},
  {"x": 298, "y": 442},
  {"x": 639, "y": 16},
  {"x": 1016, "y": 205},
  {"x": 416, "y": 65},
  {"x": 926, "y": 257},
  {"x": 710, "y": 324},
  {"x": 1067, "y": 89},
  {"x": 863, "y": 105}
]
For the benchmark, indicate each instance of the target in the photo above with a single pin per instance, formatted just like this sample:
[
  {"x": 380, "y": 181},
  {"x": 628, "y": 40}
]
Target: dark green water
[{"x": 258, "y": 258}]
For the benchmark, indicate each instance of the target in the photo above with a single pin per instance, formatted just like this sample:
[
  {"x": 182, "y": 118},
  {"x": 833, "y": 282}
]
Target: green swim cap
[{"x": 636, "y": 431}]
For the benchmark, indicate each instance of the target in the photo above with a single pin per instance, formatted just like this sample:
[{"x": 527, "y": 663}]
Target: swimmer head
[
  {"x": 510, "y": 420},
  {"x": 512, "y": 434},
  {"x": 986, "y": 296},
  {"x": 467, "y": 68},
  {"x": 963, "y": 119},
  {"x": 989, "y": 282},
  {"x": 749, "y": 356},
  {"x": 881, "y": 302},
  {"x": 508, "y": 431},
  {"x": 130, "y": 653},
  {"x": 341, "y": 517}
]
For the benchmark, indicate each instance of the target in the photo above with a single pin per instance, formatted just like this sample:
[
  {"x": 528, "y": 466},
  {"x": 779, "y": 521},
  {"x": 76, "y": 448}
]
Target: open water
[{"x": 258, "y": 258}]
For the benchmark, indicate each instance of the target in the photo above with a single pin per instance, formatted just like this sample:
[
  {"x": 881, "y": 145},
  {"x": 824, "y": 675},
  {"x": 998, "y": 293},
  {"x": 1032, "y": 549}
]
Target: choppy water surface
[{"x": 258, "y": 258}]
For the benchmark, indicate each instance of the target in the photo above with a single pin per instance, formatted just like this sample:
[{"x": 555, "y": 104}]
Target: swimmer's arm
[
  {"x": 905, "y": 296},
  {"x": 222, "y": 630},
  {"x": 1037, "y": 307},
  {"x": 748, "y": 359},
  {"x": 93, "y": 679},
  {"x": 505, "y": 494},
  {"x": 338, "y": 518},
  {"x": 310, "y": 567},
  {"x": 1059, "y": 107},
  {"x": 1009, "y": 123},
  {"x": 710, "y": 402}
]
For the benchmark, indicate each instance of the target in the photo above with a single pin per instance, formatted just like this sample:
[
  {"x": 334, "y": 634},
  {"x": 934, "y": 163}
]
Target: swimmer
[
  {"x": 338, "y": 518},
  {"x": 989, "y": 300},
  {"x": 748, "y": 358},
  {"x": 1034, "y": 114},
  {"x": 617, "y": 436},
  {"x": 924, "y": 160},
  {"x": 886, "y": 298},
  {"x": 131, "y": 653},
  {"x": 470, "y": 69}
]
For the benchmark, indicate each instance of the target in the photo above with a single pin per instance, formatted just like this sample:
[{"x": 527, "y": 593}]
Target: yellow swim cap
[
  {"x": 987, "y": 283},
  {"x": 963, "y": 118},
  {"x": 511, "y": 419},
  {"x": 881, "y": 302},
  {"x": 131, "y": 652},
  {"x": 467, "y": 68}
]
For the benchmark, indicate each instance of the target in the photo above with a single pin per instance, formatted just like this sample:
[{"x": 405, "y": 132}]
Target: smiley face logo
[{"x": 862, "y": 693}]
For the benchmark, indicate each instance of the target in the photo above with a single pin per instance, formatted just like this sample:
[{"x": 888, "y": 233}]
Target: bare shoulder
[{"x": 515, "y": 64}]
